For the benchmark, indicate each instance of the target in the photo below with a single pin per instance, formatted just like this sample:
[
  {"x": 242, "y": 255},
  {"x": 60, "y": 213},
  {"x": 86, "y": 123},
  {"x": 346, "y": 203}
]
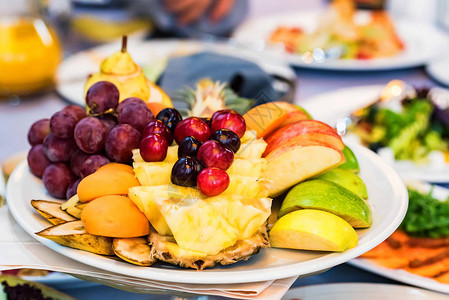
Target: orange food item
[
  {"x": 117, "y": 167},
  {"x": 156, "y": 107},
  {"x": 111, "y": 180},
  {"x": 114, "y": 216},
  {"x": 265, "y": 118}
]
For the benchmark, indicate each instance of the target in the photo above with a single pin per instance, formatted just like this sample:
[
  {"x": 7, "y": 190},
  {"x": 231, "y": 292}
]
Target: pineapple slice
[
  {"x": 250, "y": 135},
  {"x": 144, "y": 197},
  {"x": 251, "y": 167},
  {"x": 246, "y": 214},
  {"x": 172, "y": 155},
  {"x": 154, "y": 173},
  {"x": 245, "y": 186},
  {"x": 197, "y": 226},
  {"x": 251, "y": 149}
]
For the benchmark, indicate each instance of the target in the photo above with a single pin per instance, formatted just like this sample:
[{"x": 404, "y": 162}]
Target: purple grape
[
  {"x": 134, "y": 112},
  {"x": 57, "y": 178},
  {"x": 109, "y": 121},
  {"x": 120, "y": 142},
  {"x": 188, "y": 147},
  {"x": 127, "y": 101},
  {"x": 62, "y": 124},
  {"x": 72, "y": 189},
  {"x": 57, "y": 149},
  {"x": 38, "y": 131},
  {"x": 101, "y": 97},
  {"x": 77, "y": 111},
  {"x": 93, "y": 163},
  {"x": 185, "y": 171},
  {"x": 77, "y": 161},
  {"x": 37, "y": 160},
  {"x": 90, "y": 134}
]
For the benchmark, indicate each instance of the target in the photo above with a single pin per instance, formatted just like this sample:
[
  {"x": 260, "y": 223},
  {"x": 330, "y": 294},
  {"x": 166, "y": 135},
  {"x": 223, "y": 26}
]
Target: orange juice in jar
[{"x": 29, "y": 55}]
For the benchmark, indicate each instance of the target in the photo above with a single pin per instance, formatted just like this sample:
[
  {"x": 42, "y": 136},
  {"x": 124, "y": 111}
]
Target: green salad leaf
[{"x": 426, "y": 216}]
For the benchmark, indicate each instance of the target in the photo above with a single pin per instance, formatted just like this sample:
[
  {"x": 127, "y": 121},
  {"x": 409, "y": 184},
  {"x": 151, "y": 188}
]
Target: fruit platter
[{"x": 131, "y": 186}]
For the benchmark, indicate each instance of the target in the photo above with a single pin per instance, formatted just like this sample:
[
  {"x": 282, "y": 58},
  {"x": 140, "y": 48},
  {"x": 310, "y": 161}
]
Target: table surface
[{"x": 17, "y": 115}]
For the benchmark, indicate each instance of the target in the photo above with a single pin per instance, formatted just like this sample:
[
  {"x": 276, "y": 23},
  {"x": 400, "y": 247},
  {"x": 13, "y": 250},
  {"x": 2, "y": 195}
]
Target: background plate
[
  {"x": 422, "y": 42},
  {"x": 387, "y": 197},
  {"x": 331, "y": 106}
]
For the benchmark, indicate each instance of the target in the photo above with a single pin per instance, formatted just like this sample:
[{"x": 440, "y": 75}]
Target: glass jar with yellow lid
[{"x": 29, "y": 49}]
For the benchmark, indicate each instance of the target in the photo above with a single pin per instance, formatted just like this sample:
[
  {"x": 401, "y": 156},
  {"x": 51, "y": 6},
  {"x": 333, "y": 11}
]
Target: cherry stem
[{"x": 124, "y": 43}]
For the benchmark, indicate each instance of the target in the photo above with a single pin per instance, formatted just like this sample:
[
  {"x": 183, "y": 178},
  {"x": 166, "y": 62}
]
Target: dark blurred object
[
  {"x": 246, "y": 78},
  {"x": 170, "y": 23},
  {"x": 371, "y": 4}
]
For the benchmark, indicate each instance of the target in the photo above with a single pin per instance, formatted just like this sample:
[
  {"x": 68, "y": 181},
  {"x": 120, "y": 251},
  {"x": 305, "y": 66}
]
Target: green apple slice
[
  {"x": 328, "y": 196},
  {"x": 346, "y": 179},
  {"x": 310, "y": 229},
  {"x": 351, "y": 161}
]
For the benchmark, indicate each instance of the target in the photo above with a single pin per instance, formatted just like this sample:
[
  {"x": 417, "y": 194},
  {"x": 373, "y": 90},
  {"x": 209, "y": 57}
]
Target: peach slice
[
  {"x": 298, "y": 160},
  {"x": 305, "y": 129},
  {"x": 114, "y": 216}
]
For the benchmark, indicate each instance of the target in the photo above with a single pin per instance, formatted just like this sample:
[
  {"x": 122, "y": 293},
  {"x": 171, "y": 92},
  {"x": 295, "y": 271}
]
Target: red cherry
[
  {"x": 153, "y": 148},
  {"x": 192, "y": 126},
  {"x": 158, "y": 127},
  {"x": 229, "y": 120},
  {"x": 212, "y": 181},
  {"x": 214, "y": 155}
]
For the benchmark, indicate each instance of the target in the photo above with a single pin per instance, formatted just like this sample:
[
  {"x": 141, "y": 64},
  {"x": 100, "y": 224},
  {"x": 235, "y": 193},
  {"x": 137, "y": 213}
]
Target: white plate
[
  {"x": 438, "y": 69},
  {"x": 357, "y": 291},
  {"x": 422, "y": 42},
  {"x": 387, "y": 197},
  {"x": 331, "y": 106},
  {"x": 402, "y": 275},
  {"x": 73, "y": 71}
]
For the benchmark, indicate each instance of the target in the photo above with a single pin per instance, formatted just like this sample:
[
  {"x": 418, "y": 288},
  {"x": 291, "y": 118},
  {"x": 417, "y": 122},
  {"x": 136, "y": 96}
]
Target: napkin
[
  {"x": 20, "y": 250},
  {"x": 246, "y": 78}
]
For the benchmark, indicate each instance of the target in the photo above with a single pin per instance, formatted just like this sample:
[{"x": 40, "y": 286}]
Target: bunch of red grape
[
  {"x": 71, "y": 144},
  {"x": 206, "y": 147}
]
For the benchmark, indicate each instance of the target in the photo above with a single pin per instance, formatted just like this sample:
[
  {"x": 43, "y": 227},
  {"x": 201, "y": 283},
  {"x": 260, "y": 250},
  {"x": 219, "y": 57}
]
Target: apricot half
[
  {"x": 108, "y": 180},
  {"x": 114, "y": 216}
]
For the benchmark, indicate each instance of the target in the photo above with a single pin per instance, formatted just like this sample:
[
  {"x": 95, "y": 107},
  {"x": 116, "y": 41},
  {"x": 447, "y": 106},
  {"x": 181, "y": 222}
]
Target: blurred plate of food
[
  {"x": 355, "y": 291},
  {"x": 409, "y": 131},
  {"x": 53, "y": 279},
  {"x": 343, "y": 38},
  {"x": 154, "y": 56},
  {"x": 416, "y": 253}
]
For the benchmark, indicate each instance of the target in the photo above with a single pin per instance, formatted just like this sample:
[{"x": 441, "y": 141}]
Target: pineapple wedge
[
  {"x": 144, "y": 197},
  {"x": 251, "y": 149},
  {"x": 196, "y": 225},
  {"x": 153, "y": 174},
  {"x": 251, "y": 167},
  {"x": 245, "y": 186}
]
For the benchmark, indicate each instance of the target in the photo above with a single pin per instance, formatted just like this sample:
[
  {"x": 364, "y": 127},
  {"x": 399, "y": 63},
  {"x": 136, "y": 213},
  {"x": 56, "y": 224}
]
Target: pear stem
[{"x": 124, "y": 43}]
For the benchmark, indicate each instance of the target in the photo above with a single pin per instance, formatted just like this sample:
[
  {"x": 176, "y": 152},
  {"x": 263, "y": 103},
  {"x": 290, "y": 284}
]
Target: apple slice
[
  {"x": 293, "y": 162},
  {"x": 294, "y": 112},
  {"x": 309, "y": 229},
  {"x": 265, "y": 118},
  {"x": 305, "y": 129}
]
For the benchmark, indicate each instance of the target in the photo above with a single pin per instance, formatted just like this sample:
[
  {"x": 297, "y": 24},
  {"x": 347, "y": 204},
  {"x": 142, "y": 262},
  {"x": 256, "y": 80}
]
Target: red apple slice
[
  {"x": 298, "y": 160},
  {"x": 294, "y": 113},
  {"x": 305, "y": 129}
]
